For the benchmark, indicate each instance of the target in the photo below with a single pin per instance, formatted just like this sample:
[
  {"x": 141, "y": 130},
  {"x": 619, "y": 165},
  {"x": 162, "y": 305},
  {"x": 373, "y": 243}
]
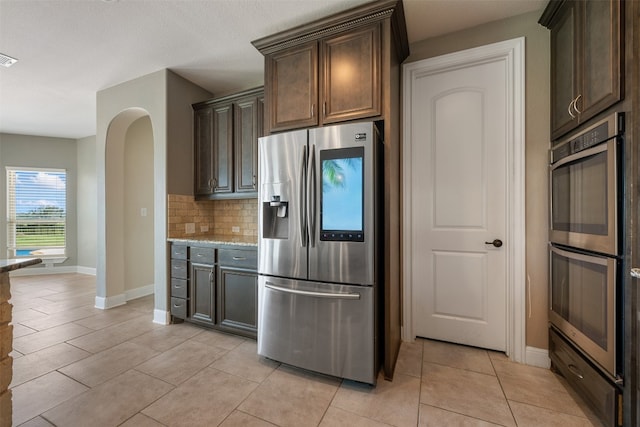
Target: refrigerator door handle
[
  {"x": 301, "y": 199},
  {"x": 311, "y": 195},
  {"x": 350, "y": 296}
]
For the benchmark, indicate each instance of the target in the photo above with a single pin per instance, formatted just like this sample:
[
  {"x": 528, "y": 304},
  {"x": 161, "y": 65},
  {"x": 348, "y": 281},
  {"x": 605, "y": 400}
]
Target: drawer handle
[
  {"x": 575, "y": 371},
  {"x": 175, "y": 267},
  {"x": 239, "y": 258}
]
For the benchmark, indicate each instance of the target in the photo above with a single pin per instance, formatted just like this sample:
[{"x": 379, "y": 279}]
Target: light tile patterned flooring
[{"x": 75, "y": 365}]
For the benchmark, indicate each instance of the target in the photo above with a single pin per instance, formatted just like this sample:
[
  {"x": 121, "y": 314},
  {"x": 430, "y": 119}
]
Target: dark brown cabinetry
[
  {"x": 226, "y": 132},
  {"x": 343, "y": 67},
  {"x": 238, "y": 291},
  {"x": 179, "y": 281},
  {"x": 202, "y": 285},
  {"x": 586, "y": 60},
  {"x": 215, "y": 286},
  {"x": 325, "y": 81},
  {"x": 600, "y": 394}
]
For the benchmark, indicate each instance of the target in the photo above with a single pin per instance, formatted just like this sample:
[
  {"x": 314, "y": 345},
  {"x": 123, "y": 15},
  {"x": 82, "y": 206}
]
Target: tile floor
[{"x": 75, "y": 365}]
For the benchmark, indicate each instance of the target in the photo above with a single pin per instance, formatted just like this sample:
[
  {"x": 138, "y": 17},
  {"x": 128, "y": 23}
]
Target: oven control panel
[{"x": 601, "y": 131}]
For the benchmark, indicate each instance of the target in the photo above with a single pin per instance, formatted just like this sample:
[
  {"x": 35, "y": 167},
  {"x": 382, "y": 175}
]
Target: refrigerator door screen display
[{"x": 342, "y": 195}]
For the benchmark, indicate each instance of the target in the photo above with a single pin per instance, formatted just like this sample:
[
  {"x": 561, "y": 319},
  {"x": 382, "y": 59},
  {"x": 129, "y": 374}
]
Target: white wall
[
  {"x": 87, "y": 204},
  {"x": 40, "y": 152}
]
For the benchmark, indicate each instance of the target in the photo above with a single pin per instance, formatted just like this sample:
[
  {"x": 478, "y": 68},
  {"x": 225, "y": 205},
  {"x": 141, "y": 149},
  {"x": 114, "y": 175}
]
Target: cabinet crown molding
[{"x": 362, "y": 15}]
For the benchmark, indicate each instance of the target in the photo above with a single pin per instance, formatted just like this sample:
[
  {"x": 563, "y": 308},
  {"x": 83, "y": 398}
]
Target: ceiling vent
[{"x": 7, "y": 61}]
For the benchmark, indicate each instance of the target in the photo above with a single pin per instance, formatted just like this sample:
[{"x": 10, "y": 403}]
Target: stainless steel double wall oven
[{"x": 586, "y": 242}]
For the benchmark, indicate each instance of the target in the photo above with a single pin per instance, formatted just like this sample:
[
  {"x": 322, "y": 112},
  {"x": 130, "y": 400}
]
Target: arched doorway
[{"x": 129, "y": 208}]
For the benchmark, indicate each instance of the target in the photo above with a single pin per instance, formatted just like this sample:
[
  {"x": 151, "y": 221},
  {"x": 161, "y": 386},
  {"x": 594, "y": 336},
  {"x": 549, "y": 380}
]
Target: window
[{"x": 36, "y": 212}]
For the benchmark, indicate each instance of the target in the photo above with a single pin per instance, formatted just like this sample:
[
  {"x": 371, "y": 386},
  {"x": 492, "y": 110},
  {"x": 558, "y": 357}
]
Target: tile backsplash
[{"x": 189, "y": 217}]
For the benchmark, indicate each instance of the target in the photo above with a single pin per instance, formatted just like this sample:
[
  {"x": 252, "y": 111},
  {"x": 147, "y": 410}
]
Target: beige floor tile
[
  {"x": 44, "y": 361},
  {"x": 167, "y": 337},
  {"x": 60, "y": 318},
  {"x": 21, "y": 313},
  {"x": 392, "y": 402},
  {"x": 534, "y": 416},
  {"x": 110, "y": 403},
  {"x": 465, "y": 392},
  {"x": 244, "y": 362},
  {"x": 20, "y": 330},
  {"x": 431, "y": 416},
  {"x": 457, "y": 356},
  {"x": 36, "y": 396},
  {"x": 218, "y": 339},
  {"x": 410, "y": 358},
  {"x": 108, "y": 364},
  {"x": 536, "y": 386},
  {"x": 37, "y": 422},
  {"x": 181, "y": 362},
  {"x": 336, "y": 417},
  {"x": 105, "y": 318},
  {"x": 291, "y": 397},
  {"x": 43, "y": 339},
  {"x": 97, "y": 341},
  {"x": 206, "y": 399},
  {"x": 141, "y": 420},
  {"x": 52, "y": 307},
  {"x": 240, "y": 419}
]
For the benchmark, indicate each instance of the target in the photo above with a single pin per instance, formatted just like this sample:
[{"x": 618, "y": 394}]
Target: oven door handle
[
  {"x": 351, "y": 295},
  {"x": 635, "y": 273}
]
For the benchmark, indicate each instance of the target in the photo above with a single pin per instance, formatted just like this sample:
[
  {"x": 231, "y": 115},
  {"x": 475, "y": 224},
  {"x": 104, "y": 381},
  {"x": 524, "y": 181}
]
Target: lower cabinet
[
  {"x": 202, "y": 293},
  {"x": 238, "y": 300},
  {"x": 216, "y": 287}
]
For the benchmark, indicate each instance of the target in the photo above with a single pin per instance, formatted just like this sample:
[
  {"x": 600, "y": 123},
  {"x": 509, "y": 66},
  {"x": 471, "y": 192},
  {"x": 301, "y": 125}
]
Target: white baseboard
[
  {"x": 46, "y": 269},
  {"x": 105, "y": 303},
  {"x": 161, "y": 317},
  {"x": 142, "y": 291},
  {"x": 91, "y": 271},
  {"x": 537, "y": 357}
]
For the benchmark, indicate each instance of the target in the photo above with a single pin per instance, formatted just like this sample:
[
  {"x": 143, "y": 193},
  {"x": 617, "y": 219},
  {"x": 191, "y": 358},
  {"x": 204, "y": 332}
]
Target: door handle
[
  {"x": 635, "y": 273},
  {"x": 496, "y": 242}
]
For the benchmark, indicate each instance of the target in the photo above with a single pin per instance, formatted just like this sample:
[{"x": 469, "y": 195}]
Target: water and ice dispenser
[{"x": 275, "y": 211}]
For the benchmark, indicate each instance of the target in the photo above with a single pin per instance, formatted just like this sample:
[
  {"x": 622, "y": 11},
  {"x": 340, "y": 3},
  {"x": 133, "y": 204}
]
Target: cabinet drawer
[
  {"x": 179, "y": 308},
  {"x": 179, "y": 288},
  {"x": 586, "y": 380},
  {"x": 178, "y": 251},
  {"x": 179, "y": 269},
  {"x": 203, "y": 255},
  {"x": 243, "y": 258}
]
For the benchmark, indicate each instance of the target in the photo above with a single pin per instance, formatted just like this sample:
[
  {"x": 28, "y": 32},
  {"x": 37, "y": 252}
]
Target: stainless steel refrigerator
[{"x": 318, "y": 249}]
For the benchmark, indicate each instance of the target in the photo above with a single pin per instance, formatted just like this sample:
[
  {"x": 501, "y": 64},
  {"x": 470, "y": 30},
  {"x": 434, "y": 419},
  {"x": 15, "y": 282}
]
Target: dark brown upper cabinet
[
  {"x": 586, "y": 60},
  {"x": 326, "y": 81},
  {"x": 226, "y": 132}
]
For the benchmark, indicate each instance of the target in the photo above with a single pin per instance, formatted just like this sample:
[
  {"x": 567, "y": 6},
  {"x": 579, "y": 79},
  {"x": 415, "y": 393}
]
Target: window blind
[{"x": 36, "y": 211}]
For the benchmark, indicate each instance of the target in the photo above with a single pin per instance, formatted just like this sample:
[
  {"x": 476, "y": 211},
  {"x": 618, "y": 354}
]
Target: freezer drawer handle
[{"x": 312, "y": 294}]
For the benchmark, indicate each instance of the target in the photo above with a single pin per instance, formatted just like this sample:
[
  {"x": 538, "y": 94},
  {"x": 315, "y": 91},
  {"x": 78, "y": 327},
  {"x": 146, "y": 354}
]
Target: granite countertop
[
  {"x": 7, "y": 265},
  {"x": 251, "y": 241}
]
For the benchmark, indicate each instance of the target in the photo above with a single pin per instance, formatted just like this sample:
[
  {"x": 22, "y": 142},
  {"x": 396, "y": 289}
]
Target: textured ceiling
[{"x": 70, "y": 49}]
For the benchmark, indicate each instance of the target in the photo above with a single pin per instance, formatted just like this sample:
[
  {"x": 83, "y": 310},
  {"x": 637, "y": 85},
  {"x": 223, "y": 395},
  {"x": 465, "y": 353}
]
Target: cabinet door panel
[
  {"x": 600, "y": 62},
  {"x": 223, "y": 146},
  {"x": 202, "y": 293},
  {"x": 351, "y": 70},
  {"x": 203, "y": 150},
  {"x": 292, "y": 87},
  {"x": 563, "y": 70},
  {"x": 246, "y": 144},
  {"x": 238, "y": 299}
]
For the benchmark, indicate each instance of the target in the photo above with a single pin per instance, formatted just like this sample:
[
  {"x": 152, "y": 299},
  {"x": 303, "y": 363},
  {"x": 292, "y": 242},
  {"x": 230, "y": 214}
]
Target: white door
[{"x": 460, "y": 127}]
